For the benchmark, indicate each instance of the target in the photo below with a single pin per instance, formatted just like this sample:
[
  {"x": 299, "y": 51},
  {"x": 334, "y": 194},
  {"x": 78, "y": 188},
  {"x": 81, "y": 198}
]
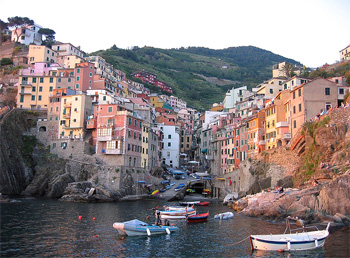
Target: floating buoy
[
  {"x": 80, "y": 217},
  {"x": 147, "y": 217},
  {"x": 43, "y": 205},
  {"x": 281, "y": 250},
  {"x": 93, "y": 218},
  {"x": 157, "y": 207},
  {"x": 96, "y": 236},
  {"x": 122, "y": 238}
]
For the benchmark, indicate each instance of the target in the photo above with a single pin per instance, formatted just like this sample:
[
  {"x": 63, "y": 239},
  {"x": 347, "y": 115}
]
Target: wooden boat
[
  {"x": 224, "y": 216},
  {"x": 189, "y": 203},
  {"x": 176, "y": 211},
  {"x": 197, "y": 203},
  {"x": 198, "y": 217},
  {"x": 172, "y": 215},
  {"x": 202, "y": 204},
  {"x": 290, "y": 242},
  {"x": 138, "y": 228}
]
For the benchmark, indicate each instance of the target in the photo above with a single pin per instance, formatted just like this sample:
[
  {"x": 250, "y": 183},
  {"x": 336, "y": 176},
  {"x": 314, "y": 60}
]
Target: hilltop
[{"x": 201, "y": 76}]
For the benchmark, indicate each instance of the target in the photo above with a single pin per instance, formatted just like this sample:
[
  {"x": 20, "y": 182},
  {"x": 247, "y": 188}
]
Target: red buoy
[
  {"x": 96, "y": 236},
  {"x": 93, "y": 218},
  {"x": 80, "y": 217}
]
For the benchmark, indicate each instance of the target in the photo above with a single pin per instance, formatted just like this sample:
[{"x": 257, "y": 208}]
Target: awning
[
  {"x": 204, "y": 151},
  {"x": 221, "y": 178}
]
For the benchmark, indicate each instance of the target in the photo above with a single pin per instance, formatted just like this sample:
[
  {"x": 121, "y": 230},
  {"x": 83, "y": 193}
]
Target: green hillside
[{"x": 200, "y": 76}]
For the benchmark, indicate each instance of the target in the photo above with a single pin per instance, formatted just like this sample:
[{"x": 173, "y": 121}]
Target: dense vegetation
[
  {"x": 338, "y": 69},
  {"x": 188, "y": 70}
]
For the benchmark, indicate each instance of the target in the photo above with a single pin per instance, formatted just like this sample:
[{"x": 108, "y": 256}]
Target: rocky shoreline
[{"x": 326, "y": 202}]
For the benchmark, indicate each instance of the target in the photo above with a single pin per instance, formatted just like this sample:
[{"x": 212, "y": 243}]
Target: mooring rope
[{"x": 241, "y": 241}]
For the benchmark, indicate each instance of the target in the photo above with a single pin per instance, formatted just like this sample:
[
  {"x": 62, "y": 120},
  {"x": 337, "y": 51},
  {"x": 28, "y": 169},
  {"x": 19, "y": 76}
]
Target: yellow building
[
  {"x": 74, "y": 110},
  {"x": 144, "y": 153},
  {"x": 35, "y": 86},
  {"x": 274, "y": 114},
  {"x": 37, "y": 54},
  {"x": 156, "y": 102},
  {"x": 256, "y": 133}
]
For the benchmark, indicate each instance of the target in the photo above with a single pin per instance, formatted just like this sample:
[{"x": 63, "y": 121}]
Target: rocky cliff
[{"x": 28, "y": 168}]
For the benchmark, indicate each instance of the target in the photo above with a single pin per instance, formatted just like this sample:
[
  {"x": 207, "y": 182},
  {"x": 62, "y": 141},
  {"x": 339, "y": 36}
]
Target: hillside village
[{"x": 85, "y": 103}]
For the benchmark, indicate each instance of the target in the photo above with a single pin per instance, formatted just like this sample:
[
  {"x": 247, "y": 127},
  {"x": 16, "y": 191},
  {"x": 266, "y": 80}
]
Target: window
[
  {"x": 34, "y": 80},
  {"x": 69, "y": 79},
  {"x": 294, "y": 124},
  {"x": 51, "y": 88},
  {"x": 110, "y": 109},
  {"x": 293, "y": 94},
  {"x": 78, "y": 78},
  {"x": 90, "y": 74},
  {"x": 21, "y": 99},
  {"x": 299, "y": 107},
  {"x": 39, "y": 97},
  {"x": 341, "y": 91},
  {"x": 271, "y": 91},
  {"x": 140, "y": 124},
  {"x": 294, "y": 109},
  {"x": 51, "y": 80},
  {"x": 78, "y": 70},
  {"x": 41, "y": 80},
  {"x": 169, "y": 136},
  {"x": 77, "y": 86},
  {"x": 299, "y": 92},
  {"x": 33, "y": 89},
  {"x": 169, "y": 144},
  {"x": 59, "y": 80},
  {"x": 33, "y": 97},
  {"x": 327, "y": 91},
  {"x": 130, "y": 121},
  {"x": 40, "y": 89}
]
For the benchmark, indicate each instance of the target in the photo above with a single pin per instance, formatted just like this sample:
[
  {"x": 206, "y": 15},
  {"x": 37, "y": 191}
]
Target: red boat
[
  {"x": 198, "y": 218},
  {"x": 202, "y": 204}
]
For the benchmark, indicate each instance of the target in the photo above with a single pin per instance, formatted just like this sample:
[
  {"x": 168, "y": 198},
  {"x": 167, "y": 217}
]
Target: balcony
[
  {"x": 112, "y": 151},
  {"x": 66, "y": 116},
  {"x": 91, "y": 123},
  {"x": 261, "y": 142},
  {"x": 67, "y": 105},
  {"x": 23, "y": 92},
  {"x": 287, "y": 136},
  {"x": 26, "y": 84}
]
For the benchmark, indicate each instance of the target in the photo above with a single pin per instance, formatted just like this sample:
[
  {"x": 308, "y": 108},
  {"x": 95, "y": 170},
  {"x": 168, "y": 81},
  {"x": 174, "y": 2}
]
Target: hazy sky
[{"x": 309, "y": 31}]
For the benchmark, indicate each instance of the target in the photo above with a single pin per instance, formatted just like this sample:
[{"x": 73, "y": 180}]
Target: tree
[
  {"x": 49, "y": 36},
  {"x": 19, "y": 22},
  {"x": 288, "y": 70},
  {"x": 3, "y": 26}
]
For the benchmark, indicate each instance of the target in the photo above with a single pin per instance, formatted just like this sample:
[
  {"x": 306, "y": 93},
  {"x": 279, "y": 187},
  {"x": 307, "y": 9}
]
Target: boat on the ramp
[
  {"x": 139, "y": 228},
  {"x": 304, "y": 240}
]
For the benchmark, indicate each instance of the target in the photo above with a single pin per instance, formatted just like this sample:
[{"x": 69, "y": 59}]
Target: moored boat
[
  {"x": 138, "y": 228},
  {"x": 224, "y": 216},
  {"x": 290, "y": 242},
  {"x": 189, "y": 203},
  {"x": 203, "y": 204},
  {"x": 198, "y": 217}
]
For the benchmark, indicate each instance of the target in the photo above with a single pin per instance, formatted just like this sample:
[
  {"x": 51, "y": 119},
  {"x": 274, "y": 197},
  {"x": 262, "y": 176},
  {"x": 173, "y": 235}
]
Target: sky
[{"x": 309, "y": 31}]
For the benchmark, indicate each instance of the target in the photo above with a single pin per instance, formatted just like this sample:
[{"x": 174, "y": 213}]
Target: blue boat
[
  {"x": 138, "y": 228},
  {"x": 178, "y": 188}
]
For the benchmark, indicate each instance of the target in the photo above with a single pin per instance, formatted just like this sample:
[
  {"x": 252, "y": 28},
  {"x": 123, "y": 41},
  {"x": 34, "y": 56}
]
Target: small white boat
[
  {"x": 224, "y": 215},
  {"x": 177, "y": 208},
  {"x": 290, "y": 242},
  {"x": 138, "y": 228},
  {"x": 183, "y": 211},
  {"x": 175, "y": 214}
]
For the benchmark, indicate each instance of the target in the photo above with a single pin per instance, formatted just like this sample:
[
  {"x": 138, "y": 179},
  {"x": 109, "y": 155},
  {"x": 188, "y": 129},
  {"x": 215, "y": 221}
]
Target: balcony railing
[{"x": 112, "y": 151}]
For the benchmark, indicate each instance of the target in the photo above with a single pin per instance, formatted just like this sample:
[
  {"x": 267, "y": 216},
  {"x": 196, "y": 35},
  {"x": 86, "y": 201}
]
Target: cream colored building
[
  {"x": 271, "y": 87},
  {"x": 345, "y": 54},
  {"x": 67, "y": 49},
  {"x": 37, "y": 54},
  {"x": 144, "y": 153}
]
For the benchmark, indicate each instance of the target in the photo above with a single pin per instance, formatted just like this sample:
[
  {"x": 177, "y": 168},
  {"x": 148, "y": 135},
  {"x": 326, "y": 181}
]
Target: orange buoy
[
  {"x": 96, "y": 236},
  {"x": 147, "y": 217},
  {"x": 80, "y": 217},
  {"x": 93, "y": 218},
  {"x": 280, "y": 250}
]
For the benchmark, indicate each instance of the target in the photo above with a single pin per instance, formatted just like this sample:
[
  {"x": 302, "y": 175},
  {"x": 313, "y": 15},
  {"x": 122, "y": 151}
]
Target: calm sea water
[{"x": 50, "y": 228}]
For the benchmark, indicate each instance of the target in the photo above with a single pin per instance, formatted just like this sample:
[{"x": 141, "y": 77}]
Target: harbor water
[{"x": 51, "y": 228}]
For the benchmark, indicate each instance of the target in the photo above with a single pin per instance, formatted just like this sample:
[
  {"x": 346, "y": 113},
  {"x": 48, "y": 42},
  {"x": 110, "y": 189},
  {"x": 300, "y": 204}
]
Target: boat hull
[
  {"x": 198, "y": 218},
  {"x": 149, "y": 230},
  {"x": 289, "y": 242}
]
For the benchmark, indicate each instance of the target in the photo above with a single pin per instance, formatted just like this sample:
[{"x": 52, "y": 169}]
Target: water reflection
[{"x": 42, "y": 228}]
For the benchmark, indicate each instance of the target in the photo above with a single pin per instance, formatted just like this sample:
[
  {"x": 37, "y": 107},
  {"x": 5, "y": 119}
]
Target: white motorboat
[
  {"x": 290, "y": 241},
  {"x": 138, "y": 228},
  {"x": 224, "y": 215}
]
